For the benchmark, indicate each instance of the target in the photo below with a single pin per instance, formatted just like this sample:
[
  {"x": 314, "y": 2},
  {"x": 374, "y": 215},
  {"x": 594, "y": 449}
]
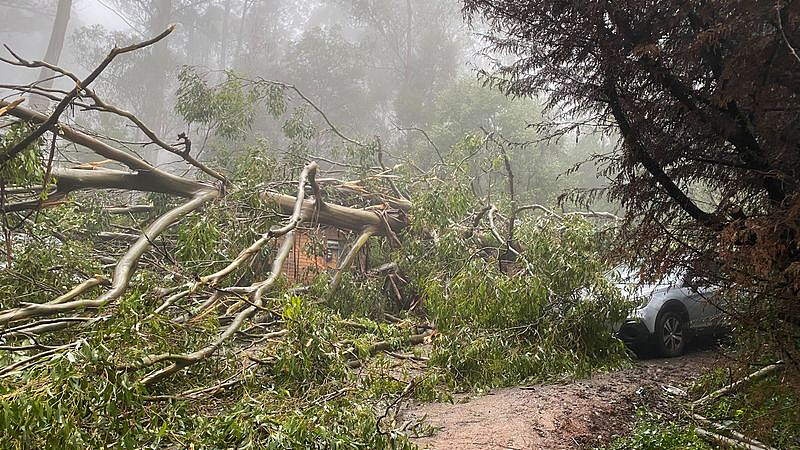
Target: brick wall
[{"x": 314, "y": 251}]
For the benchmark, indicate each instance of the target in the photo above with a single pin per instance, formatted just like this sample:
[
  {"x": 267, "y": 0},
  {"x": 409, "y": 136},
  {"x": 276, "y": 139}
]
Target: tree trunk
[
  {"x": 153, "y": 110},
  {"x": 223, "y": 42},
  {"x": 53, "y": 53},
  {"x": 240, "y": 36}
]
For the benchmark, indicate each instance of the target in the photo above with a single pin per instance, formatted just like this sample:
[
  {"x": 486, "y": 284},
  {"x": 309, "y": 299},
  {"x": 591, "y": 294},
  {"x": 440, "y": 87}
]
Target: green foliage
[
  {"x": 308, "y": 355},
  {"x": 654, "y": 434},
  {"x": 767, "y": 410},
  {"x": 26, "y": 167},
  {"x": 548, "y": 315},
  {"x": 249, "y": 166},
  {"x": 500, "y": 329},
  {"x": 228, "y": 108},
  {"x": 301, "y": 395},
  {"x": 78, "y": 400},
  {"x": 136, "y": 332},
  {"x": 441, "y": 207},
  {"x": 44, "y": 269},
  {"x": 357, "y": 297},
  {"x": 196, "y": 240},
  {"x": 299, "y": 129}
]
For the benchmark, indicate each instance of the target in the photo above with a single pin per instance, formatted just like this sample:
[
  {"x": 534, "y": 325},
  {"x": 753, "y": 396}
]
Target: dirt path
[{"x": 556, "y": 416}]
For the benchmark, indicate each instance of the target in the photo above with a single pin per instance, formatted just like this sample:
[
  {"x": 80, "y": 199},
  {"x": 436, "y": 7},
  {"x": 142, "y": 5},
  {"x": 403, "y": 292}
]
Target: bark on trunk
[{"x": 53, "y": 53}]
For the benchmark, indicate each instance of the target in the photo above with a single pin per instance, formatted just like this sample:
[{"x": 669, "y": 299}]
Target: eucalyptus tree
[
  {"x": 404, "y": 53},
  {"x": 134, "y": 298}
]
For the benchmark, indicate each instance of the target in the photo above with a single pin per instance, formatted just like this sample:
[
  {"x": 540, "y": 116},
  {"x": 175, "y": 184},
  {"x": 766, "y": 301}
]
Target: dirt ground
[{"x": 579, "y": 414}]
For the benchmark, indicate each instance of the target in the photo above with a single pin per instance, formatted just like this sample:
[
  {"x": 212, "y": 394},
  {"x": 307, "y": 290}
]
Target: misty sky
[
  {"x": 96, "y": 11},
  {"x": 29, "y": 31},
  {"x": 400, "y": 67}
]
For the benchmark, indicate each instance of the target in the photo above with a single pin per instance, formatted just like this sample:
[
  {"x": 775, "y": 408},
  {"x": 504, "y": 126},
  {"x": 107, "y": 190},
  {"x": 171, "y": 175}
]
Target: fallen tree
[
  {"x": 142, "y": 176},
  {"x": 148, "y": 287}
]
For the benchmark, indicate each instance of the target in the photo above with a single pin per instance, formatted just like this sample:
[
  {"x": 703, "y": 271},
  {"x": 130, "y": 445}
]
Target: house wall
[{"x": 303, "y": 264}]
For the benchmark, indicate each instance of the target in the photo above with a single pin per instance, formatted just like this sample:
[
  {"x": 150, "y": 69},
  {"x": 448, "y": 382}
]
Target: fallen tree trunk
[
  {"x": 342, "y": 217},
  {"x": 144, "y": 177},
  {"x": 733, "y": 387}
]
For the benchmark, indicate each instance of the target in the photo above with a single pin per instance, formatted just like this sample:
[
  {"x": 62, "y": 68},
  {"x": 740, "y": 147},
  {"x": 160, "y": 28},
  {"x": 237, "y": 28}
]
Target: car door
[{"x": 699, "y": 302}]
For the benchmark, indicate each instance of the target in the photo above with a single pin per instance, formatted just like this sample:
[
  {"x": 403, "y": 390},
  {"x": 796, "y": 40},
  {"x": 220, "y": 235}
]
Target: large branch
[
  {"x": 348, "y": 260},
  {"x": 178, "y": 362},
  {"x": 307, "y": 176},
  {"x": 69, "y": 180},
  {"x": 629, "y": 134},
  {"x": 123, "y": 270},
  {"x": 145, "y": 177},
  {"x": 339, "y": 216},
  {"x": 72, "y": 135},
  {"x": 146, "y": 181},
  {"x": 181, "y": 185},
  {"x": 255, "y": 290},
  {"x": 102, "y": 106}
]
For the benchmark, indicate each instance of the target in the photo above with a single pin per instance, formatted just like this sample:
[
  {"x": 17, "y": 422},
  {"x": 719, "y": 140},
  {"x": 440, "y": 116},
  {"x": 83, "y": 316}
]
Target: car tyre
[{"x": 671, "y": 333}]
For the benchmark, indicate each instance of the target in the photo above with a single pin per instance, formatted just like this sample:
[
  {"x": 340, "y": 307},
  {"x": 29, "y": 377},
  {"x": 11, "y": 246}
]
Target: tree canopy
[{"x": 704, "y": 96}]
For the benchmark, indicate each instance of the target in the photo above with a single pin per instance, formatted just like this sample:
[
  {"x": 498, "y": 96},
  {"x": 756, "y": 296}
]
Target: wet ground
[{"x": 578, "y": 414}]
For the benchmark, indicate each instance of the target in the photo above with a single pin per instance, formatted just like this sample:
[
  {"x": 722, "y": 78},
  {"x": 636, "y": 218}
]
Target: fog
[{"x": 402, "y": 70}]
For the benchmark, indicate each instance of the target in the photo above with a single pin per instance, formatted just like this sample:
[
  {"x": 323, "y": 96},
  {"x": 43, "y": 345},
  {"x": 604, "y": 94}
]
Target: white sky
[
  {"x": 98, "y": 12},
  {"x": 30, "y": 40}
]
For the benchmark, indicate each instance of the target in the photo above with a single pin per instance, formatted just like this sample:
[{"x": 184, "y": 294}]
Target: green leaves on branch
[
  {"x": 26, "y": 168},
  {"x": 197, "y": 240},
  {"x": 227, "y": 108},
  {"x": 502, "y": 323}
]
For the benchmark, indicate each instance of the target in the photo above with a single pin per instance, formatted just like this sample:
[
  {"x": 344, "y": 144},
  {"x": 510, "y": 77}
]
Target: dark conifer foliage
[{"x": 704, "y": 96}]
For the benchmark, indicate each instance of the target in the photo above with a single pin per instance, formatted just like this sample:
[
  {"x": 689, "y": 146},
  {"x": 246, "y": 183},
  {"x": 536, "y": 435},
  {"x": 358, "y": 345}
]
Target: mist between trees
[{"x": 486, "y": 167}]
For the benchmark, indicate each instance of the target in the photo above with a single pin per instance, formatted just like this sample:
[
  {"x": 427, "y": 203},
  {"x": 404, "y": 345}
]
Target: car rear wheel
[{"x": 671, "y": 333}]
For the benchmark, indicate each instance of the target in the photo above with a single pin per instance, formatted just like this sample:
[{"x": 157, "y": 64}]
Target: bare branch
[
  {"x": 534, "y": 208},
  {"x": 316, "y": 108},
  {"x": 79, "y": 289},
  {"x": 348, "y": 260},
  {"x": 428, "y": 138},
  {"x": 51, "y": 121},
  {"x": 184, "y": 153}
]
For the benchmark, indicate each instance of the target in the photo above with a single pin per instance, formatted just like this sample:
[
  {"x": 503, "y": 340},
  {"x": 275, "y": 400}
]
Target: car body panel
[{"x": 674, "y": 291}]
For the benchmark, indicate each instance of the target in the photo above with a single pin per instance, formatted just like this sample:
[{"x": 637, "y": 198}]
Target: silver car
[{"x": 669, "y": 313}]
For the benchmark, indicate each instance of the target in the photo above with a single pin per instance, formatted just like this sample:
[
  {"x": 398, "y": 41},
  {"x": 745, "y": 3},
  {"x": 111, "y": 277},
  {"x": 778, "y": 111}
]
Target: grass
[
  {"x": 767, "y": 410},
  {"x": 652, "y": 432}
]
